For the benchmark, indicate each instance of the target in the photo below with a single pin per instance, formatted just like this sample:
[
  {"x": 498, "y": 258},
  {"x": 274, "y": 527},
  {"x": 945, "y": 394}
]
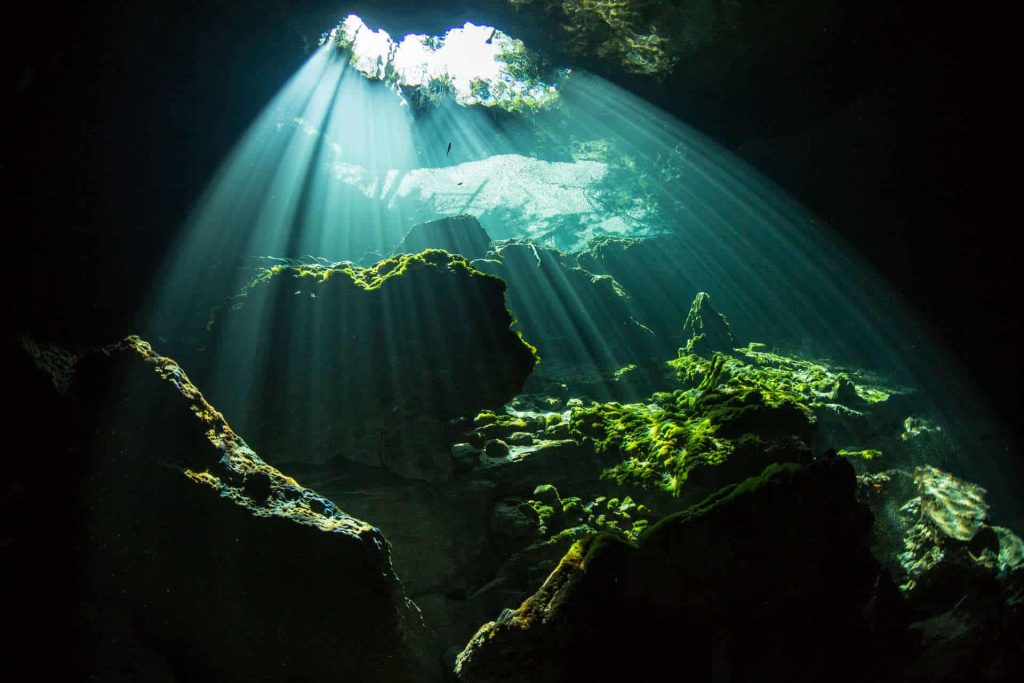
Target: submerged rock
[
  {"x": 963, "y": 578},
  {"x": 461, "y": 235},
  {"x": 766, "y": 580},
  {"x": 195, "y": 559},
  {"x": 706, "y": 329},
  {"x": 641, "y": 267},
  {"x": 367, "y": 364},
  {"x": 932, "y": 531}
]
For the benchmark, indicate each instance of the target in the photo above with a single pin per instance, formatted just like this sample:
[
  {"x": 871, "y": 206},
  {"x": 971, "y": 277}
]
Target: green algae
[
  {"x": 373, "y": 278},
  {"x": 617, "y": 30},
  {"x": 571, "y": 518},
  {"x": 623, "y": 371},
  {"x": 862, "y": 454},
  {"x": 732, "y": 399},
  {"x": 813, "y": 384},
  {"x": 660, "y": 443}
]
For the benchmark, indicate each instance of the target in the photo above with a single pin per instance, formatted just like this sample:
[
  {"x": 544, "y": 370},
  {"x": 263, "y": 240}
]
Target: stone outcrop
[
  {"x": 366, "y": 364},
  {"x": 706, "y": 329},
  {"x": 766, "y": 580},
  {"x": 470, "y": 547},
  {"x": 190, "y": 557},
  {"x": 963, "y": 577},
  {"x": 461, "y": 235}
]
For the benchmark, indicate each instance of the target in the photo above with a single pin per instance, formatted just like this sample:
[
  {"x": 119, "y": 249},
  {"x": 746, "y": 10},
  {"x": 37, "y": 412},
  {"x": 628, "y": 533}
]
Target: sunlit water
[{"x": 339, "y": 167}]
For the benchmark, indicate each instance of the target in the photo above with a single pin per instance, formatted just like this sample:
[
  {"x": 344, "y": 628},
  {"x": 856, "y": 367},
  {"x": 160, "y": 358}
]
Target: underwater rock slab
[
  {"x": 366, "y": 364},
  {"x": 461, "y": 235},
  {"x": 766, "y": 580},
  {"x": 190, "y": 558}
]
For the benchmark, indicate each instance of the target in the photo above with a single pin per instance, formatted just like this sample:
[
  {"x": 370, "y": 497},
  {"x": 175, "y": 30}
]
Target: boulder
[
  {"x": 933, "y": 533},
  {"x": 963, "y": 578},
  {"x": 642, "y": 267},
  {"x": 766, "y": 580},
  {"x": 461, "y": 235},
  {"x": 368, "y": 365},
  {"x": 191, "y": 558}
]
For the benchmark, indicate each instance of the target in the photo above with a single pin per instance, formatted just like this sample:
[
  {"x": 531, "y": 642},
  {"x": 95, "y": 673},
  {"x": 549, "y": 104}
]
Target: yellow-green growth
[{"x": 863, "y": 454}]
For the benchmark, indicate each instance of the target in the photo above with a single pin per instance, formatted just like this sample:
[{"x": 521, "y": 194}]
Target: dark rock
[
  {"x": 932, "y": 532},
  {"x": 641, "y": 266},
  {"x": 706, "y": 329},
  {"x": 845, "y": 393},
  {"x": 766, "y": 580},
  {"x": 496, "y": 448},
  {"x": 369, "y": 365},
  {"x": 190, "y": 557},
  {"x": 961, "y": 576},
  {"x": 464, "y": 450},
  {"x": 461, "y": 235},
  {"x": 520, "y": 439},
  {"x": 465, "y": 457},
  {"x": 453, "y": 563},
  {"x": 513, "y": 518}
]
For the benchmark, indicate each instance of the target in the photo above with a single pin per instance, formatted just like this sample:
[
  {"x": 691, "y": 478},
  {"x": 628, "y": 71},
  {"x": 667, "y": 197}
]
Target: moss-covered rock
[
  {"x": 194, "y": 558},
  {"x": 766, "y": 580},
  {"x": 678, "y": 433},
  {"x": 366, "y": 364},
  {"x": 857, "y": 413}
]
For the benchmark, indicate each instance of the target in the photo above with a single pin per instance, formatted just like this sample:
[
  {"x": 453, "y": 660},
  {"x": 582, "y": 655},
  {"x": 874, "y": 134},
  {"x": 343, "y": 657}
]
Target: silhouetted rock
[
  {"x": 766, "y": 580},
  {"x": 706, "y": 329},
  {"x": 461, "y": 235},
  {"x": 642, "y": 266},
  {"x": 366, "y": 364},
  {"x": 191, "y": 558}
]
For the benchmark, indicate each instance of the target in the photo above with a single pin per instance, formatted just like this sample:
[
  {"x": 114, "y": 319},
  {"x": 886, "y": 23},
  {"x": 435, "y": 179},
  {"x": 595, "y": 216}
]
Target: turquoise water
[{"x": 472, "y": 364}]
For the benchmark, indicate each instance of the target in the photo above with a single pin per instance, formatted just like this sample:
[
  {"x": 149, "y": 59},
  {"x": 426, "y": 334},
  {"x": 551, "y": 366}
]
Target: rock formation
[
  {"x": 766, "y": 580},
  {"x": 189, "y": 556},
  {"x": 461, "y": 235},
  {"x": 366, "y": 364}
]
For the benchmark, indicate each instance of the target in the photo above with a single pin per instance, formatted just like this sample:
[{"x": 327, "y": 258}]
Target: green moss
[
  {"x": 778, "y": 377},
  {"x": 374, "y": 277},
  {"x": 724, "y": 495},
  {"x": 863, "y": 454},
  {"x": 661, "y": 443},
  {"x": 618, "y": 30},
  {"x": 570, "y": 519},
  {"x": 369, "y": 278},
  {"x": 623, "y": 371}
]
